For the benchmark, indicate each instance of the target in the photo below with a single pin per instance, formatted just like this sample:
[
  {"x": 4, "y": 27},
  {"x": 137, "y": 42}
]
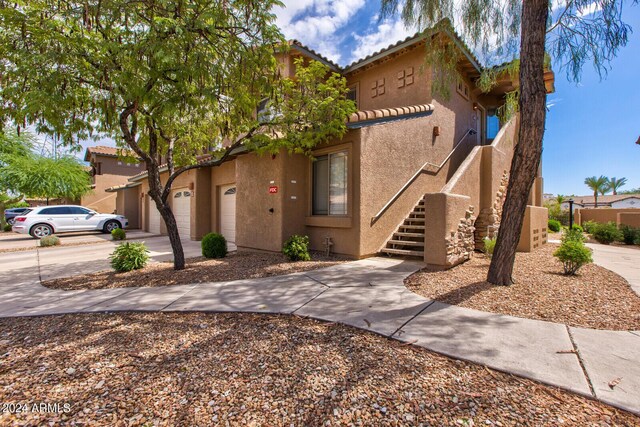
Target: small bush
[
  {"x": 577, "y": 227},
  {"x": 297, "y": 248},
  {"x": 118, "y": 234},
  {"x": 50, "y": 241},
  {"x": 573, "y": 255},
  {"x": 129, "y": 256},
  {"x": 606, "y": 233},
  {"x": 573, "y": 236},
  {"x": 7, "y": 227},
  {"x": 629, "y": 234},
  {"x": 214, "y": 245},
  {"x": 589, "y": 226},
  {"x": 554, "y": 225},
  {"x": 489, "y": 246}
]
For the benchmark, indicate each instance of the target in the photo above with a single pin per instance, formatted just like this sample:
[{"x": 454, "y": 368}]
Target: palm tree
[
  {"x": 615, "y": 184},
  {"x": 560, "y": 199},
  {"x": 597, "y": 185}
]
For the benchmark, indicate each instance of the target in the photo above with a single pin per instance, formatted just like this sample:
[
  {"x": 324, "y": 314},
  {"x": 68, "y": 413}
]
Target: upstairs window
[
  {"x": 330, "y": 184},
  {"x": 352, "y": 94}
]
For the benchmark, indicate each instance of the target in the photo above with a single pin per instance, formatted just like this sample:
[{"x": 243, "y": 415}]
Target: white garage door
[
  {"x": 228, "y": 212},
  {"x": 154, "y": 218},
  {"x": 181, "y": 207}
]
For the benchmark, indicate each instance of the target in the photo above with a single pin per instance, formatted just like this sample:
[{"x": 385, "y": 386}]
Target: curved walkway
[{"x": 368, "y": 294}]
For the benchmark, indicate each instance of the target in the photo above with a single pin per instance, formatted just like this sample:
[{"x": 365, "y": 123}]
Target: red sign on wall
[{"x": 273, "y": 189}]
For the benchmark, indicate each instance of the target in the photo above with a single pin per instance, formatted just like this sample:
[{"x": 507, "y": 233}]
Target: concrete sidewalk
[{"x": 368, "y": 294}]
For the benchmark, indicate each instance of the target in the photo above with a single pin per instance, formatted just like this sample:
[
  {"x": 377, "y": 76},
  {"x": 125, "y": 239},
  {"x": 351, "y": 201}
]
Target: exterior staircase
[{"x": 408, "y": 240}]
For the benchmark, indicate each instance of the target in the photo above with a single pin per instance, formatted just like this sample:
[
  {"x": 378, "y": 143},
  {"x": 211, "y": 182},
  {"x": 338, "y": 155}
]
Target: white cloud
[
  {"x": 590, "y": 9},
  {"x": 317, "y": 23},
  {"x": 386, "y": 33}
]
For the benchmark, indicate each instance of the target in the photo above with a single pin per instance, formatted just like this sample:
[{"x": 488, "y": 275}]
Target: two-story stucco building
[{"x": 415, "y": 174}]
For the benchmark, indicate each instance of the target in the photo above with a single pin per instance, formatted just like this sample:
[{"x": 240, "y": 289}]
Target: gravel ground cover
[
  {"x": 596, "y": 298},
  {"x": 235, "y": 266},
  {"x": 170, "y": 369}
]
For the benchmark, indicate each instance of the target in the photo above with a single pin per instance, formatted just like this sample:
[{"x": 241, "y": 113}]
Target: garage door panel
[
  {"x": 154, "y": 218},
  {"x": 181, "y": 208},
  {"x": 228, "y": 212}
]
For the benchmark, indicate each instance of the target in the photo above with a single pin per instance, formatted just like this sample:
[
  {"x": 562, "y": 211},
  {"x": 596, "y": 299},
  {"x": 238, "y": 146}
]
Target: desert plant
[
  {"x": 214, "y": 245},
  {"x": 589, "y": 226},
  {"x": 118, "y": 234},
  {"x": 297, "y": 248},
  {"x": 573, "y": 235},
  {"x": 606, "y": 233},
  {"x": 129, "y": 256},
  {"x": 573, "y": 255},
  {"x": 577, "y": 227},
  {"x": 489, "y": 246},
  {"x": 50, "y": 241},
  {"x": 629, "y": 234},
  {"x": 554, "y": 225}
]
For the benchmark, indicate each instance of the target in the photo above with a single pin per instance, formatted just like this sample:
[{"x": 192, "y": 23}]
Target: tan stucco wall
[
  {"x": 112, "y": 175},
  {"x": 129, "y": 204},
  {"x": 603, "y": 215},
  {"x": 632, "y": 219},
  {"x": 445, "y": 212},
  {"x": 534, "y": 229}
]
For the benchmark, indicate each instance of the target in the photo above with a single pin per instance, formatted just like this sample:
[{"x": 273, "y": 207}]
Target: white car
[{"x": 46, "y": 220}]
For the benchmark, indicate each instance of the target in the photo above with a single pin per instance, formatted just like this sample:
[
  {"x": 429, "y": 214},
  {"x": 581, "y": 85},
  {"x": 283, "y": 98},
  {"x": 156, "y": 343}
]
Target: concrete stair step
[
  {"x": 414, "y": 220},
  {"x": 408, "y": 234},
  {"x": 412, "y": 227},
  {"x": 405, "y": 243},
  {"x": 405, "y": 252}
]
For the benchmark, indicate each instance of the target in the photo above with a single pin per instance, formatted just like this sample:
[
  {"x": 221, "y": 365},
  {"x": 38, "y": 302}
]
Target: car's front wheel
[
  {"x": 109, "y": 226},
  {"x": 41, "y": 230}
]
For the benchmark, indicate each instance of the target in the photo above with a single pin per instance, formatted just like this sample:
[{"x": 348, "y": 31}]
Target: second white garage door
[
  {"x": 228, "y": 212},
  {"x": 154, "y": 218},
  {"x": 181, "y": 207}
]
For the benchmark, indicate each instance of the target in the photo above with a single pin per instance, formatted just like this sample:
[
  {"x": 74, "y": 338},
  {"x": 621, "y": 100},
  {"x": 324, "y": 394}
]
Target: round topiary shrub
[
  {"x": 51, "y": 240},
  {"x": 214, "y": 245},
  {"x": 129, "y": 256},
  {"x": 297, "y": 248},
  {"x": 606, "y": 233},
  {"x": 554, "y": 225},
  {"x": 573, "y": 254},
  {"x": 118, "y": 234}
]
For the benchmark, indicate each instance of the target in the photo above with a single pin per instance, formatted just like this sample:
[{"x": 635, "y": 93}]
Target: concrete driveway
[{"x": 16, "y": 241}]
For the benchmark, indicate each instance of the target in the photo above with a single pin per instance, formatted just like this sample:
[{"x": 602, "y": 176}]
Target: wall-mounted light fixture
[{"x": 475, "y": 106}]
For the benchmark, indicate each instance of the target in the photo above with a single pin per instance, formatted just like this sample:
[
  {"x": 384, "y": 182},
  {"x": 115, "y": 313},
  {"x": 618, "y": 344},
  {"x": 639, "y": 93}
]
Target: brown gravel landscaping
[
  {"x": 596, "y": 298},
  {"x": 236, "y": 266},
  {"x": 170, "y": 369}
]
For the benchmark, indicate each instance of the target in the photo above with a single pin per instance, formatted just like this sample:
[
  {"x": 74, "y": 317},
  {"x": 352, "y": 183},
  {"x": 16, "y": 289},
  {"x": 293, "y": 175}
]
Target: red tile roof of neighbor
[
  {"x": 103, "y": 150},
  {"x": 603, "y": 200}
]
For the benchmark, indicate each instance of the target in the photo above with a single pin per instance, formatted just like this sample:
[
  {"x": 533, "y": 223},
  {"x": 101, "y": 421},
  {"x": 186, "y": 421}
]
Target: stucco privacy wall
[
  {"x": 606, "y": 215},
  {"x": 534, "y": 229},
  {"x": 393, "y": 152},
  {"x": 630, "y": 219},
  {"x": 128, "y": 203}
]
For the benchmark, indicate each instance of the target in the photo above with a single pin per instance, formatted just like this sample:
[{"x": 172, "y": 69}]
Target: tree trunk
[
  {"x": 528, "y": 151},
  {"x": 595, "y": 196}
]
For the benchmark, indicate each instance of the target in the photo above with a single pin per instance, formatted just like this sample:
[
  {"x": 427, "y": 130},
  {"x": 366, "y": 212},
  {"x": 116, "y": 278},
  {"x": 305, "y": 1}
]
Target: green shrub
[
  {"x": 589, "y": 226},
  {"x": 50, "y": 241},
  {"x": 606, "y": 233},
  {"x": 297, "y": 248},
  {"x": 577, "y": 227},
  {"x": 214, "y": 245},
  {"x": 7, "y": 227},
  {"x": 573, "y": 236},
  {"x": 129, "y": 256},
  {"x": 573, "y": 255},
  {"x": 629, "y": 234},
  {"x": 118, "y": 234},
  {"x": 489, "y": 246},
  {"x": 558, "y": 214},
  {"x": 554, "y": 225}
]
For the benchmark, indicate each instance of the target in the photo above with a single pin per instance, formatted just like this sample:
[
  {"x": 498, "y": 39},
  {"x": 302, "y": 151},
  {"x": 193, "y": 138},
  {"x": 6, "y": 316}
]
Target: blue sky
[{"x": 591, "y": 126}]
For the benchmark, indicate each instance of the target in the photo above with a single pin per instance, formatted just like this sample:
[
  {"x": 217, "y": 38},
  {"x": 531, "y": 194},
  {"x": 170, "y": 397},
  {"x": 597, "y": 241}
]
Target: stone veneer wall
[
  {"x": 488, "y": 221},
  {"x": 461, "y": 244}
]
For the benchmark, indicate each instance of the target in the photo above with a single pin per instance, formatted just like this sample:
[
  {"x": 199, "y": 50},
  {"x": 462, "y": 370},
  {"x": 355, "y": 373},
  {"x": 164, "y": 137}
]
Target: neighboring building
[
  {"x": 618, "y": 201},
  {"x": 108, "y": 168},
  {"x": 365, "y": 193}
]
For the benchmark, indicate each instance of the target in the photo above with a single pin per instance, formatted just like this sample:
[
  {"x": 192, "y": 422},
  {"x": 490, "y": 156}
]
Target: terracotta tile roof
[
  {"x": 103, "y": 150},
  {"x": 300, "y": 46},
  {"x": 603, "y": 200},
  {"x": 361, "y": 116}
]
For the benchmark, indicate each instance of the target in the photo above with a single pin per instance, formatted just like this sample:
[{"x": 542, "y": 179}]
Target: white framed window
[{"x": 330, "y": 172}]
